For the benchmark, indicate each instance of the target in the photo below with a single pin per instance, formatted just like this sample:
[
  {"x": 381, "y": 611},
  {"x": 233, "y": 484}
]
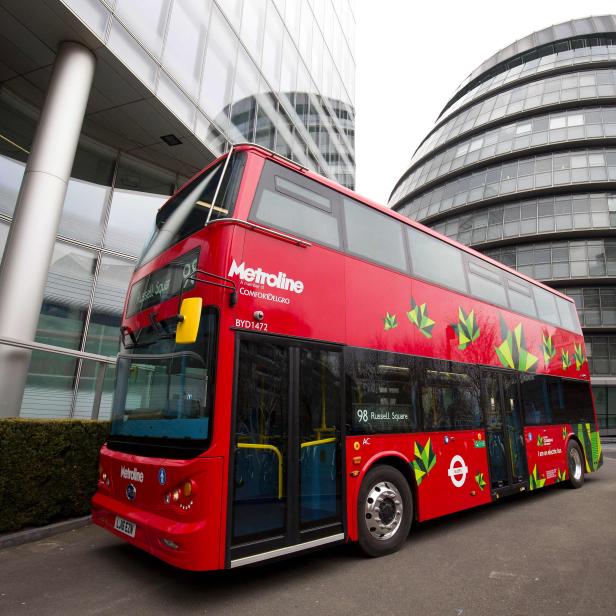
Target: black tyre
[
  {"x": 384, "y": 511},
  {"x": 575, "y": 465}
]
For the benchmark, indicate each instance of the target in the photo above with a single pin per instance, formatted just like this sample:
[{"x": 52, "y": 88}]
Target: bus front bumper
[{"x": 182, "y": 544}]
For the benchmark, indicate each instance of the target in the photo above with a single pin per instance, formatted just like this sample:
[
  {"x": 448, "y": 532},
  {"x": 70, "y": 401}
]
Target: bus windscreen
[
  {"x": 208, "y": 197},
  {"x": 164, "y": 390}
]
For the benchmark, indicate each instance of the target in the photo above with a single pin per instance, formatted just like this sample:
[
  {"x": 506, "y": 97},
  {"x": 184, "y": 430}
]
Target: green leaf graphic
[
  {"x": 548, "y": 348},
  {"x": 582, "y": 435},
  {"x": 535, "y": 481},
  {"x": 390, "y": 321},
  {"x": 597, "y": 453},
  {"x": 466, "y": 328},
  {"x": 512, "y": 351},
  {"x": 565, "y": 432},
  {"x": 591, "y": 444},
  {"x": 539, "y": 441},
  {"x": 481, "y": 482},
  {"x": 424, "y": 461},
  {"x": 579, "y": 356},
  {"x": 562, "y": 475},
  {"x": 566, "y": 361},
  {"x": 418, "y": 316}
]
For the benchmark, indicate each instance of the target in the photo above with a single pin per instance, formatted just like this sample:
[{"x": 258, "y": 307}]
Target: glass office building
[
  {"x": 521, "y": 165},
  {"x": 176, "y": 83}
]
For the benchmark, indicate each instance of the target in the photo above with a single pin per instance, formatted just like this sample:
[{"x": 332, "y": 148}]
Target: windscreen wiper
[{"x": 161, "y": 328}]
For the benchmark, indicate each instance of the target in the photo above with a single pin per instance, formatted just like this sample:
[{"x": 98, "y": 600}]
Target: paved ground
[{"x": 550, "y": 552}]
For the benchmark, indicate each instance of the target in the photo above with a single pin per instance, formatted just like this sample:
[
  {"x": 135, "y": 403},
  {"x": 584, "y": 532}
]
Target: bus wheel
[
  {"x": 384, "y": 511},
  {"x": 575, "y": 465}
]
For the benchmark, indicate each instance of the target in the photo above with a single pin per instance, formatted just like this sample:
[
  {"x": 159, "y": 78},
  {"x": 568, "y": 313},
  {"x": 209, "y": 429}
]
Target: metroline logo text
[
  {"x": 133, "y": 474},
  {"x": 277, "y": 281}
]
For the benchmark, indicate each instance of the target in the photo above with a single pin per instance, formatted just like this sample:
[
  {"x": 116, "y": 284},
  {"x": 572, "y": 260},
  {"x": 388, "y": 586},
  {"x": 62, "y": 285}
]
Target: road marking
[{"x": 504, "y": 575}]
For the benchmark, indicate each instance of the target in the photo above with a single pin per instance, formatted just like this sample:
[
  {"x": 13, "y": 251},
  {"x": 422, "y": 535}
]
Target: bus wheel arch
[
  {"x": 385, "y": 507},
  {"x": 404, "y": 467}
]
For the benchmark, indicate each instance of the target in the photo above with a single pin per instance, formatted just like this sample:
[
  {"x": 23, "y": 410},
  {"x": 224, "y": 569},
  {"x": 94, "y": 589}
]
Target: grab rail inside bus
[
  {"x": 268, "y": 448},
  {"x": 321, "y": 441},
  {"x": 276, "y": 451}
]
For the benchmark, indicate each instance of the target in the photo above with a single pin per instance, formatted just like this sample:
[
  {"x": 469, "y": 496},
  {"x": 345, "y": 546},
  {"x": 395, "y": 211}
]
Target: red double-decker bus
[{"x": 302, "y": 367}]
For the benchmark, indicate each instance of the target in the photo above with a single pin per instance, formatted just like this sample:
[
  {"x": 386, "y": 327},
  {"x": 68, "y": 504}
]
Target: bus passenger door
[
  {"x": 319, "y": 425},
  {"x": 286, "y": 476},
  {"x": 514, "y": 428},
  {"x": 504, "y": 432},
  {"x": 259, "y": 510}
]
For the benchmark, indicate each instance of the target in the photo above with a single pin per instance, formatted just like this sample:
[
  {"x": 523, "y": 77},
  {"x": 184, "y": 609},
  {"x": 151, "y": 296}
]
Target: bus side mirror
[{"x": 190, "y": 315}]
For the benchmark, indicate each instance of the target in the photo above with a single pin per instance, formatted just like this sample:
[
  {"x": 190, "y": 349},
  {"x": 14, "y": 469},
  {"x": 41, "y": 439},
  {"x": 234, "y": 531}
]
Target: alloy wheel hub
[{"x": 383, "y": 510}]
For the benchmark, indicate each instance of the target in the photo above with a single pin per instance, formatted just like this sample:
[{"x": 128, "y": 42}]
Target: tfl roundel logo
[{"x": 457, "y": 471}]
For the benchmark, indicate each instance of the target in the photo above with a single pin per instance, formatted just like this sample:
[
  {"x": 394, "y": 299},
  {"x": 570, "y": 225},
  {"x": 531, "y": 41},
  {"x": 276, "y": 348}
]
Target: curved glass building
[{"x": 521, "y": 165}]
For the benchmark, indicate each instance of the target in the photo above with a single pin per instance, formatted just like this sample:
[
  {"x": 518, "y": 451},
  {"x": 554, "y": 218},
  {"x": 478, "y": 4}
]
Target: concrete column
[{"x": 30, "y": 243}]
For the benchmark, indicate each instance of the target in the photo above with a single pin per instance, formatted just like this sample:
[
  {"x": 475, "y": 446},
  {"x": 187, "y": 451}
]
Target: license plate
[{"x": 124, "y": 526}]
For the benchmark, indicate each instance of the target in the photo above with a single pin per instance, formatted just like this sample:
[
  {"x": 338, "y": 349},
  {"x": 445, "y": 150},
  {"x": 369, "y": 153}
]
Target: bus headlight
[{"x": 102, "y": 476}]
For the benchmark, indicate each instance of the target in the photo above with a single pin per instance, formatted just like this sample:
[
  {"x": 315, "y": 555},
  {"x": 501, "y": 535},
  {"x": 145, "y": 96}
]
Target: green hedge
[{"x": 48, "y": 469}]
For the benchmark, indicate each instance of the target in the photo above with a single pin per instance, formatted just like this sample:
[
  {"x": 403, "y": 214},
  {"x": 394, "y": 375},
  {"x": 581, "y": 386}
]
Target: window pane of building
[
  {"x": 95, "y": 375},
  {"x": 49, "y": 388},
  {"x": 111, "y": 287},
  {"x": 11, "y": 174},
  {"x": 66, "y": 296},
  {"x": 103, "y": 335},
  {"x": 4, "y": 233},
  {"x": 245, "y": 93},
  {"x": 131, "y": 220},
  {"x": 83, "y": 213},
  {"x": 217, "y": 80},
  {"x": 147, "y": 19},
  {"x": 185, "y": 42}
]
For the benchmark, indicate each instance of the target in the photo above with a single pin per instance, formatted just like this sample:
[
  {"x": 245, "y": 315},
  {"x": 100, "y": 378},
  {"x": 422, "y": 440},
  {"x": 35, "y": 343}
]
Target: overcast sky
[{"x": 412, "y": 54}]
